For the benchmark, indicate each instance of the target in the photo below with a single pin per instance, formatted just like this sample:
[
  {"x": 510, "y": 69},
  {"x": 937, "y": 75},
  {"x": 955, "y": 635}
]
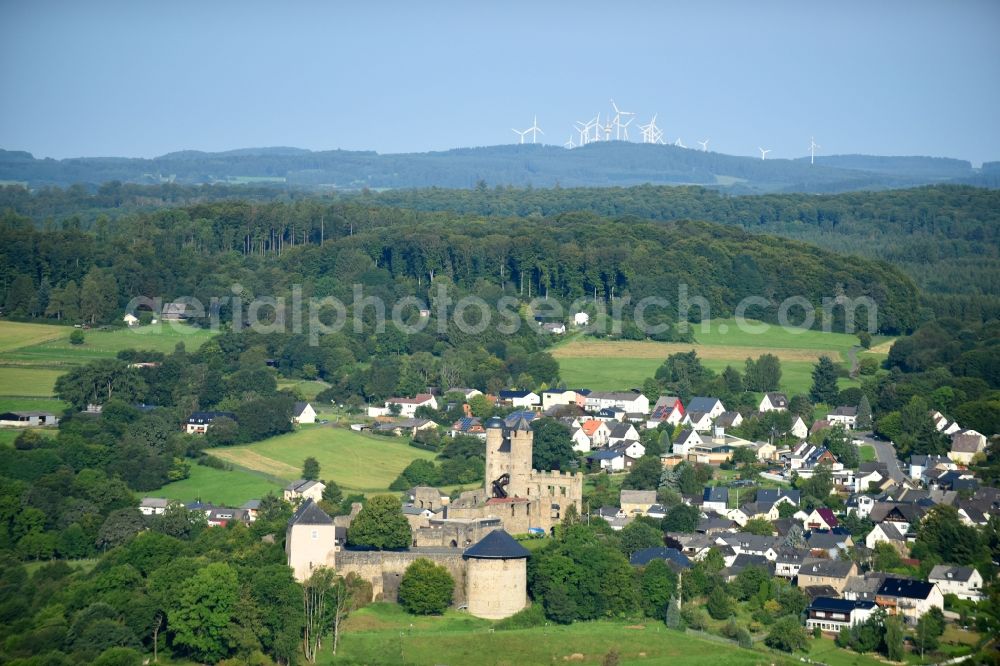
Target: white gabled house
[
  {"x": 303, "y": 412},
  {"x": 520, "y": 399},
  {"x": 621, "y": 432},
  {"x": 407, "y": 406},
  {"x": 581, "y": 443},
  {"x": 711, "y": 406},
  {"x": 699, "y": 421},
  {"x": 632, "y": 402},
  {"x": 963, "y": 582},
  {"x": 773, "y": 402},
  {"x": 686, "y": 440},
  {"x": 799, "y": 429}
]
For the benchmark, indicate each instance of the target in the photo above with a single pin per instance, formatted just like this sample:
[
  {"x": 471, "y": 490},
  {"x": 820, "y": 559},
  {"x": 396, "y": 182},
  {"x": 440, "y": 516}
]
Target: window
[{"x": 315, "y": 534}]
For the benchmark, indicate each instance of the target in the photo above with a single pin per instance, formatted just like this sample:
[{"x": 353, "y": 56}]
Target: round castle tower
[{"x": 496, "y": 576}]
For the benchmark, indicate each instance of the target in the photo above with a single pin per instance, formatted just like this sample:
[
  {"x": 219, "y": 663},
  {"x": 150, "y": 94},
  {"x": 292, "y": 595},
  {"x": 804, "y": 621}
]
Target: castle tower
[
  {"x": 521, "y": 448},
  {"x": 508, "y": 452},
  {"x": 497, "y": 454},
  {"x": 310, "y": 540},
  {"x": 496, "y": 576}
]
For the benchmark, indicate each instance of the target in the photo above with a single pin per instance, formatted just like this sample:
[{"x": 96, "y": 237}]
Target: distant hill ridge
[{"x": 603, "y": 164}]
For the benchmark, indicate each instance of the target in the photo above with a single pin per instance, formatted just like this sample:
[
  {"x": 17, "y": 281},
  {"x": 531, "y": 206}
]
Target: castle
[{"x": 472, "y": 541}]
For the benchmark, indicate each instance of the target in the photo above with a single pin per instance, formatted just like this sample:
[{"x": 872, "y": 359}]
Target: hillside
[{"x": 597, "y": 164}]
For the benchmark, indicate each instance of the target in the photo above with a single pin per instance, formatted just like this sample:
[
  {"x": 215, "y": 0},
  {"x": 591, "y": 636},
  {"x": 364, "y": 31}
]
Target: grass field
[
  {"x": 357, "y": 462},
  {"x": 385, "y": 634},
  {"x": 56, "y": 350},
  {"x": 14, "y": 335},
  {"x": 231, "y": 488},
  {"x": 28, "y": 382},
  {"x": 308, "y": 389},
  {"x": 609, "y": 365},
  {"x": 866, "y": 453}
]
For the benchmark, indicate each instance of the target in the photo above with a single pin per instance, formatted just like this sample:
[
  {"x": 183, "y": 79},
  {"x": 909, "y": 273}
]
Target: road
[{"x": 885, "y": 452}]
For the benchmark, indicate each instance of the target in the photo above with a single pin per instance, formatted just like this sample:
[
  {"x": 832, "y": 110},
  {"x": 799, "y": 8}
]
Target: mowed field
[
  {"x": 385, "y": 634},
  {"x": 221, "y": 487},
  {"x": 622, "y": 364},
  {"x": 357, "y": 462}
]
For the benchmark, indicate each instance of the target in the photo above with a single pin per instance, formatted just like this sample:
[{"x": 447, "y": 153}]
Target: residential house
[
  {"x": 581, "y": 443},
  {"x": 466, "y": 393},
  {"x": 674, "y": 558},
  {"x": 153, "y": 506},
  {"x": 789, "y": 561},
  {"x": 864, "y": 588},
  {"x": 252, "y": 507},
  {"x": 698, "y": 421},
  {"x": 819, "y": 425},
  {"x": 919, "y": 463},
  {"x": 468, "y": 425},
  {"x": 198, "y": 422},
  {"x": 751, "y": 544},
  {"x": 834, "y": 573},
  {"x": 408, "y": 406},
  {"x": 711, "y": 406},
  {"x": 845, "y": 416},
  {"x": 965, "y": 444},
  {"x": 799, "y": 429},
  {"x": 176, "y": 311},
  {"x": 728, "y": 420},
  {"x": 860, "y": 504},
  {"x": 943, "y": 424},
  {"x": 773, "y": 402},
  {"x": 632, "y": 448},
  {"x": 598, "y": 431},
  {"x": 821, "y": 518},
  {"x": 581, "y": 319},
  {"x": 963, "y": 582},
  {"x": 611, "y": 460},
  {"x": 637, "y": 501},
  {"x": 714, "y": 523},
  {"x": 904, "y": 515},
  {"x": 832, "y": 615},
  {"x": 667, "y": 409},
  {"x": 686, "y": 440},
  {"x": 303, "y": 489},
  {"x": 779, "y": 495},
  {"x": 557, "y": 397},
  {"x": 870, "y": 475},
  {"x": 716, "y": 498},
  {"x": 828, "y": 544},
  {"x": 28, "y": 419},
  {"x": 629, "y": 401},
  {"x": 303, "y": 412},
  {"x": 622, "y": 432},
  {"x": 130, "y": 320},
  {"x": 743, "y": 561},
  {"x": 409, "y": 427},
  {"x": 615, "y": 517},
  {"x": 554, "y": 327},
  {"x": 223, "y": 516},
  {"x": 610, "y": 414},
  {"x": 909, "y": 598},
  {"x": 889, "y": 533},
  {"x": 754, "y": 511}
]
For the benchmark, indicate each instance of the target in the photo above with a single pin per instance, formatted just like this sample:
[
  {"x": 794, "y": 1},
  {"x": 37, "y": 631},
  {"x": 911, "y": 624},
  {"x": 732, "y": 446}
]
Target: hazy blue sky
[{"x": 142, "y": 78}]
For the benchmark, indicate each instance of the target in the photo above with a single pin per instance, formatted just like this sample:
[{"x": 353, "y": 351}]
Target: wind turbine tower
[
  {"x": 704, "y": 145},
  {"x": 534, "y": 129},
  {"x": 763, "y": 152},
  {"x": 812, "y": 150},
  {"x": 520, "y": 133},
  {"x": 569, "y": 143},
  {"x": 616, "y": 122}
]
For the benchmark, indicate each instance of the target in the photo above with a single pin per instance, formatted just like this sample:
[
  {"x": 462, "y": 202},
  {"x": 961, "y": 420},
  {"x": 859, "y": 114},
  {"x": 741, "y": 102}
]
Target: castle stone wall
[{"x": 385, "y": 569}]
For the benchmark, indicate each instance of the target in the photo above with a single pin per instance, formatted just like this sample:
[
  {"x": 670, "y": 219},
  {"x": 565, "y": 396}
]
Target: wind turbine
[
  {"x": 704, "y": 145},
  {"x": 520, "y": 133},
  {"x": 617, "y": 122},
  {"x": 650, "y": 132},
  {"x": 624, "y": 128},
  {"x": 534, "y": 129},
  {"x": 569, "y": 144},
  {"x": 763, "y": 153},
  {"x": 679, "y": 143},
  {"x": 812, "y": 150}
]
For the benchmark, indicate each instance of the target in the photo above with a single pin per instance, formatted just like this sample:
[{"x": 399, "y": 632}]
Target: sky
[{"x": 138, "y": 78}]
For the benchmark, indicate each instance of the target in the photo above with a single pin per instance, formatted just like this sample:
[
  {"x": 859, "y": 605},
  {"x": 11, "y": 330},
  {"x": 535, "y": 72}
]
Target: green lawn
[
  {"x": 727, "y": 332},
  {"x": 306, "y": 388},
  {"x": 28, "y": 382},
  {"x": 866, "y": 453},
  {"x": 356, "y": 461},
  {"x": 54, "y": 405},
  {"x": 98, "y": 344},
  {"x": 8, "y": 435},
  {"x": 385, "y": 634},
  {"x": 15, "y": 334},
  {"x": 607, "y": 374},
  {"x": 231, "y": 488},
  {"x": 824, "y": 650}
]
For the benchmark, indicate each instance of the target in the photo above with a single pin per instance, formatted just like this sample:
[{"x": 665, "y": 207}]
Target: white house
[
  {"x": 632, "y": 449},
  {"x": 631, "y": 402},
  {"x": 153, "y": 506},
  {"x": 581, "y": 319},
  {"x": 686, "y": 440},
  {"x": 597, "y": 430},
  {"x": 302, "y": 489},
  {"x": 909, "y": 598},
  {"x": 130, "y": 320},
  {"x": 198, "y": 422},
  {"x": 965, "y": 444},
  {"x": 621, "y": 432},
  {"x": 556, "y": 397},
  {"x": 407, "y": 406},
  {"x": 845, "y": 416},
  {"x": 303, "y": 412},
  {"x": 711, "y": 406},
  {"x": 520, "y": 399},
  {"x": 699, "y": 421},
  {"x": 886, "y": 532},
  {"x": 581, "y": 442},
  {"x": 773, "y": 402},
  {"x": 614, "y": 460},
  {"x": 799, "y": 429},
  {"x": 832, "y": 615},
  {"x": 669, "y": 409},
  {"x": 963, "y": 582},
  {"x": 716, "y": 498}
]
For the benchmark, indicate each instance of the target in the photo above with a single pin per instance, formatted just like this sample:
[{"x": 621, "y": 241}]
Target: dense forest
[
  {"x": 951, "y": 229},
  {"x": 615, "y": 163},
  {"x": 203, "y": 250}
]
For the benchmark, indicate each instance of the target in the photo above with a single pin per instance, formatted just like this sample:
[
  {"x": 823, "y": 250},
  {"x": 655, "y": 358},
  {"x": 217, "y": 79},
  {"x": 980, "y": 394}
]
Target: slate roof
[
  {"x": 638, "y": 496},
  {"x": 727, "y": 419},
  {"x": 208, "y": 417},
  {"x": 497, "y": 545},
  {"x": 826, "y": 540},
  {"x": 520, "y": 420},
  {"x": 844, "y": 410},
  {"x": 772, "y": 495},
  {"x": 831, "y": 604},
  {"x": 716, "y": 494},
  {"x": 963, "y": 443},
  {"x": 906, "y": 588},
  {"x": 777, "y": 399},
  {"x": 826, "y": 568},
  {"x": 671, "y": 555},
  {"x": 508, "y": 395},
  {"x": 298, "y": 408},
  {"x": 701, "y": 404},
  {"x": 950, "y": 572},
  {"x": 309, "y": 513}
]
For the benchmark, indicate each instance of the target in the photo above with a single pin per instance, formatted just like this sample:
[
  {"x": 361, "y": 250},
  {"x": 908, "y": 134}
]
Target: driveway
[{"x": 885, "y": 452}]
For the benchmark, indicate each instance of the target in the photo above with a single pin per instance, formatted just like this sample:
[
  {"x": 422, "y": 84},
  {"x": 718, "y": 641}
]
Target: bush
[
  {"x": 426, "y": 588},
  {"x": 76, "y": 337},
  {"x": 119, "y": 656},
  {"x": 532, "y": 616}
]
